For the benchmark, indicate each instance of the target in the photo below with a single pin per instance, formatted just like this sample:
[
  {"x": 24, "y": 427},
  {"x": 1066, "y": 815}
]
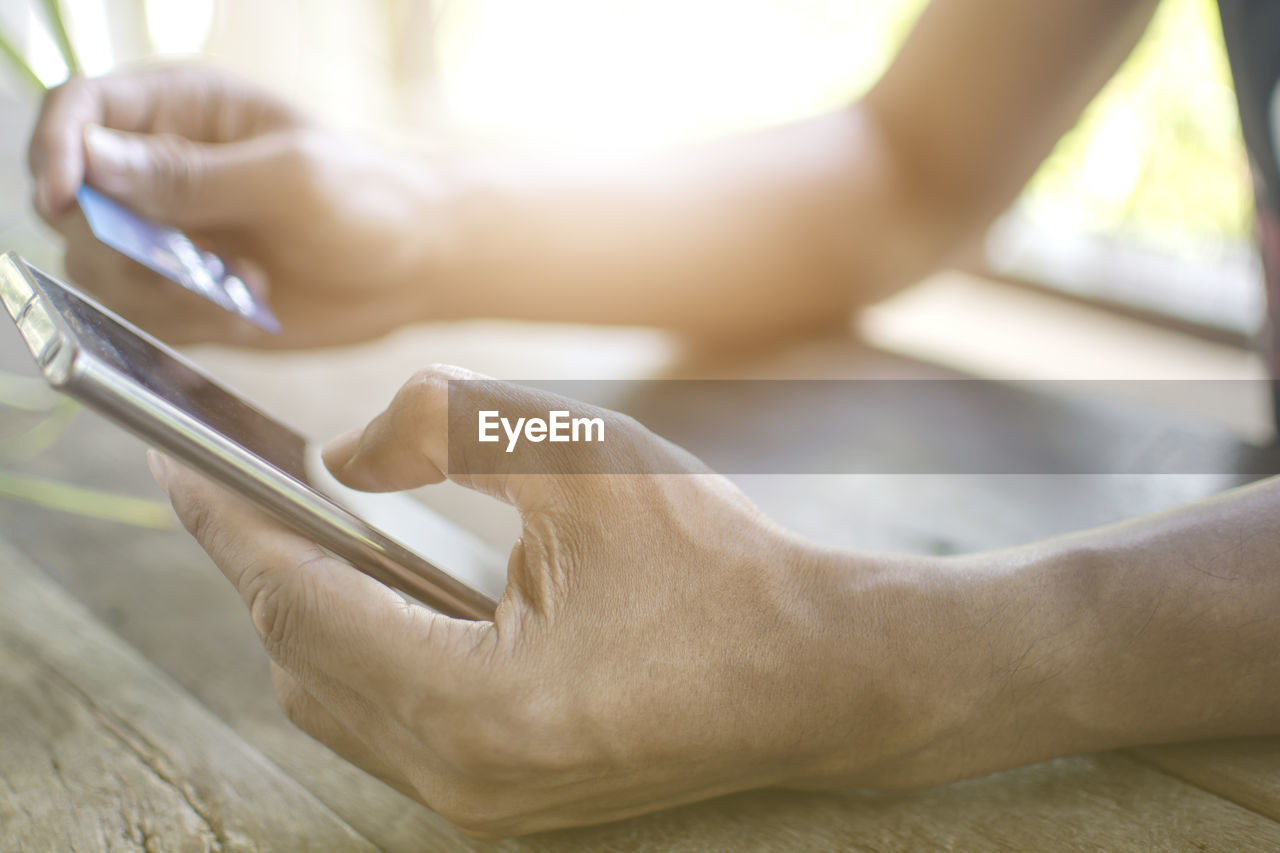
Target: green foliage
[{"x": 1157, "y": 157}]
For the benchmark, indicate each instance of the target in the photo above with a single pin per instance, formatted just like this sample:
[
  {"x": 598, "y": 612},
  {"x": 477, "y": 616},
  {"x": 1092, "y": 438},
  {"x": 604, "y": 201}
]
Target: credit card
[{"x": 171, "y": 253}]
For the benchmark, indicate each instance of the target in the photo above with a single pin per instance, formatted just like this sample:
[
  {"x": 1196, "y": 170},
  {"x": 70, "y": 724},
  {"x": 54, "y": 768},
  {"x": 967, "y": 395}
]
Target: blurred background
[
  {"x": 1134, "y": 236},
  {"x": 1129, "y": 256}
]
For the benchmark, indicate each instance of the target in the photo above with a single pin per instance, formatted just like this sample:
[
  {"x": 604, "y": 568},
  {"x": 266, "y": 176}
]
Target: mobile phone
[{"x": 91, "y": 354}]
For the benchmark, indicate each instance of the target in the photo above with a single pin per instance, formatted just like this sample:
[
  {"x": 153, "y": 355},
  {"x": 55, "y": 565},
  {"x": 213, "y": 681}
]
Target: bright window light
[
  {"x": 178, "y": 27},
  {"x": 586, "y": 74},
  {"x": 90, "y": 33},
  {"x": 42, "y": 52}
]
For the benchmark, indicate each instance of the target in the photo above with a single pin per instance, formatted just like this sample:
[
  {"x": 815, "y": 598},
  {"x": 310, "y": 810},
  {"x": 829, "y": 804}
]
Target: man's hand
[
  {"x": 659, "y": 641},
  {"x": 339, "y": 236}
]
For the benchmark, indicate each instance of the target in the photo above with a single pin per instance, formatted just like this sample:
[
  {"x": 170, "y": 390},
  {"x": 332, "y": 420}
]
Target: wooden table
[{"x": 135, "y": 704}]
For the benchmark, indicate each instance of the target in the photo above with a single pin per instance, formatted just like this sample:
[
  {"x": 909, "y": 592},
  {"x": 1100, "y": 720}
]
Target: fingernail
[
  {"x": 111, "y": 158},
  {"x": 159, "y": 470}
]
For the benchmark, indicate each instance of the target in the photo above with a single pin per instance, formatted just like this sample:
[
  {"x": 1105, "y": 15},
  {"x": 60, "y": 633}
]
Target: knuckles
[
  {"x": 425, "y": 391},
  {"x": 434, "y": 379},
  {"x": 269, "y": 604},
  {"x": 261, "y": 573},
  {"x": 178, "y": 171},
  {"x": 196, "y": 516},
  {"x": 277, "y": 589}
]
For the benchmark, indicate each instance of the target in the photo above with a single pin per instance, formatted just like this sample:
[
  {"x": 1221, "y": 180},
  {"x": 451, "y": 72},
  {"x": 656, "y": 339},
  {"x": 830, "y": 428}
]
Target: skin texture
[
  {"x": 537, "y": 720},
  {"x": 660, "y": 641},
  {"x": 250, "y": 177},
  {"x": 767, "y": 234}
]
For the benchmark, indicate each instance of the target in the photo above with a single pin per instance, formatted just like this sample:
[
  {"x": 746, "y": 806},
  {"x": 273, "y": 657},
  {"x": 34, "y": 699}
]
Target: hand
[
  {"x": 335, "y": 233},
  {"x": 659, "y": 641}
]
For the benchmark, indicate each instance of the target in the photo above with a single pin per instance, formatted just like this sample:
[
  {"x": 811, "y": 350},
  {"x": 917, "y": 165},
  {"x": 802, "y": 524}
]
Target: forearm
[
  {"x": 789, "y": 228},
  {"x": 1169, "y": 627},
  {"x": 784, "y": 229},
  {"x": 1157, "y": 630}
]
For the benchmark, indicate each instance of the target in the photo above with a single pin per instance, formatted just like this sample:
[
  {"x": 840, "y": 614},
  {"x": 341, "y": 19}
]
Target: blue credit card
[{"x": 171, "y": 253}]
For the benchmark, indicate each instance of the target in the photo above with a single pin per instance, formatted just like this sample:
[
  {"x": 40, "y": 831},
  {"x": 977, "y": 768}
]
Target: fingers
[
  {"x": 200, "y": 104},
  {"x": 397, "y": 450},
  {"x": 189, "y": 184},
  {"x": 432, "y": 430},
  {"x": 328, "y": 624},
  {"x": 56, "y": 154}
]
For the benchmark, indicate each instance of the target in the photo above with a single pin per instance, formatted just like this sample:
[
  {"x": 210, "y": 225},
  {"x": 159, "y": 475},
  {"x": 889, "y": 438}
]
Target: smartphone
[{"x": 116, "y": 369}]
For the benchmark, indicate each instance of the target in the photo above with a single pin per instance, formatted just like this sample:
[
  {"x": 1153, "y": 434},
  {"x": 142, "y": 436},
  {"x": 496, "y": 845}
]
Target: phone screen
[
  {"x": 178, "y": 384},
  {"x": 392, "y": 538}
]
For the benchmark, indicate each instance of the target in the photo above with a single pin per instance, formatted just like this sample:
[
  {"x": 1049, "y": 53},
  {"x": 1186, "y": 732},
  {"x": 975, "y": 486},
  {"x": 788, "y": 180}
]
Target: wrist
[
  {"x": 934, "y": 661},
  {"x": 879, "y": 690},
  {"x": 433, "y": 240},
  {"x": 1014, "y": 651},
  {"x": 467, "y": 263}
]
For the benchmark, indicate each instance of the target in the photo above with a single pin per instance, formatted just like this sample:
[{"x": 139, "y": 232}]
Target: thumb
[
  {"x": 172, "y": 179},
  {"x": 430, "y": 432}
]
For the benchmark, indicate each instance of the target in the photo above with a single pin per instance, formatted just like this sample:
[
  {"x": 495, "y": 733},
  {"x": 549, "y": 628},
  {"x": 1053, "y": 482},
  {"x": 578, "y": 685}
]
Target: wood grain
[
  {"x": 1106, "y": 802},
  {"x": 159, "y": 591},
  {"x": 161, "y": 594},
  {"x": 101, "y": 751},
  {"x": 1245, "y": 771}
]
